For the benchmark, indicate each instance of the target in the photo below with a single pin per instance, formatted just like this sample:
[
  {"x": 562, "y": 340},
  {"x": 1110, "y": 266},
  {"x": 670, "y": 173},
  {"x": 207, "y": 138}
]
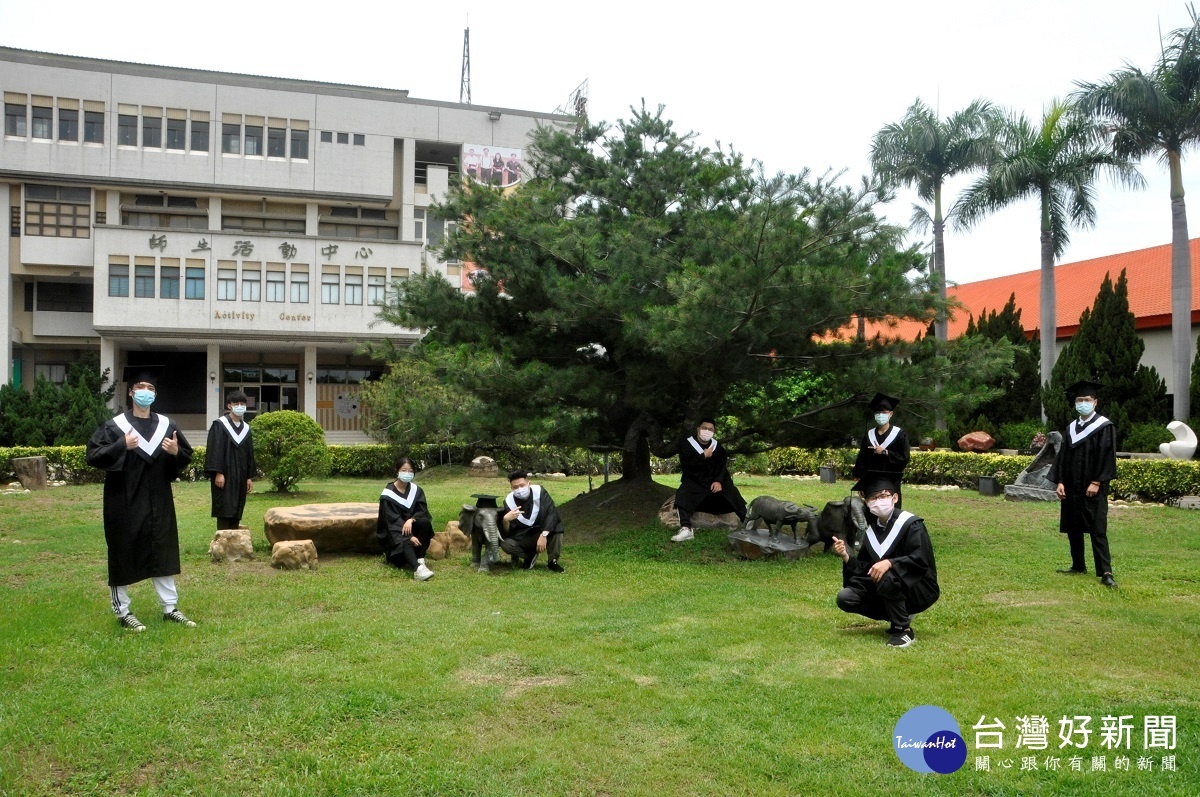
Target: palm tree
[
  {"x": 922, "y": 151},
  {"x": 1159, "y": 112},
  {"x": 1057, "y": 163}
]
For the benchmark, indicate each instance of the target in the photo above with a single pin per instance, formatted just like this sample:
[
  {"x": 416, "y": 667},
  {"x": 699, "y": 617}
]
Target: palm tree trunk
[
  {"x": 1048, "y": 317},
  {"x": 1181, "y": 296},
  {"x": 941, "y": 325}
]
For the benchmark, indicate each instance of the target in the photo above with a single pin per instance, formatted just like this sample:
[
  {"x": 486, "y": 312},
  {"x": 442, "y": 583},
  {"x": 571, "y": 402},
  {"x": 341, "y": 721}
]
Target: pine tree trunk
[
  {"x": 635, "y": 457},
  {"x": 1181, "y": 296}
]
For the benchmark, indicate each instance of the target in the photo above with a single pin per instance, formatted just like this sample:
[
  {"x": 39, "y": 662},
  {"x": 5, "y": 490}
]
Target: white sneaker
[
  {"x": 684, "y": 535},
  {"x": 423, "y": 573}
]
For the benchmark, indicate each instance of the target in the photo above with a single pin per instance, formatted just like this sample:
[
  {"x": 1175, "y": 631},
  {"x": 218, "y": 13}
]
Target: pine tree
[
  {"x": 1019, "y": 400},
  {"x": 1107, "y": 348}
]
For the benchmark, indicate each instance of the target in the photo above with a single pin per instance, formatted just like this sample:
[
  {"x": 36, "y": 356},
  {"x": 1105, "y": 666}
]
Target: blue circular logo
[{"x": 927, "y": 739}]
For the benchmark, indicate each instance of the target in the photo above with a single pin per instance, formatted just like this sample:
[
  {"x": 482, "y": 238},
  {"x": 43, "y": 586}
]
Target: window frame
[{"x": 194, "y": 278}]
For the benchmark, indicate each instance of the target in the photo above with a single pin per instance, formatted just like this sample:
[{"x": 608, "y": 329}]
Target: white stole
[
  {"x": 887, "y": 441},
  {"x": 511, "y": 502},
  {"x": 883, "y": 547},
  {"x": 149, "y": 447},
  {"x": 1080, "y": 434},
  {"x": 699, "y": 448},
  {"x": 238, "y": 437},
  {"x": 407, "y": 503}
]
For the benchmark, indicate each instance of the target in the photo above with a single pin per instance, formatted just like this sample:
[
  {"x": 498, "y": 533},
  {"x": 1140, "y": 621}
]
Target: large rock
[
  {"x": 700, "y": 520},
  {"x": 31, "y": 472},
  {"x": 331, "y": 527},
  {"x": 484, "y": 468},
  {"x": 231, "y": 545},
  {"x": 294, "y": 555},
  {"x": 976, "y": 441},
  {"x": 448, "y": 541},
  {"x": 1023, "y": 492}
]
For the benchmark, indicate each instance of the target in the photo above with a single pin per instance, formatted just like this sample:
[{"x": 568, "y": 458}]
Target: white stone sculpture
[{"x": 1184, "y": 445}]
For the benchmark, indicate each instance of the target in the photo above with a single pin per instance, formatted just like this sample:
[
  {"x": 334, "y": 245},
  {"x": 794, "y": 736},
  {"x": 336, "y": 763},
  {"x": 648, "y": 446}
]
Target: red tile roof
[{"x": 1148, "y": 272}]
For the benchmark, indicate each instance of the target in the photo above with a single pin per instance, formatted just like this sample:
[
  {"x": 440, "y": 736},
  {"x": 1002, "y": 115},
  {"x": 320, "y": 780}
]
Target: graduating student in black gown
[
  {"x": 884, "y": 447},
  {"x": 142, "y": 453},
  {"x": 229, "y": 462},
  {"x": 533, "y": 524},
  {"x": 894, "y": 575},
  {"x": 405, "y": 527},
  {"x": 704, "y": 484},
  {"x": 1086, "y": 463}
]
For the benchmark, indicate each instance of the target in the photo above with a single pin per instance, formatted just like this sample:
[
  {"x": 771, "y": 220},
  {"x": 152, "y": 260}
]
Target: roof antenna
[{"x": 464, "y": 86}]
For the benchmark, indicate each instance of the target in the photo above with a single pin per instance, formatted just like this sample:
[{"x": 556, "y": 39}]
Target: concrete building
[{"x": 240, "y": 229}]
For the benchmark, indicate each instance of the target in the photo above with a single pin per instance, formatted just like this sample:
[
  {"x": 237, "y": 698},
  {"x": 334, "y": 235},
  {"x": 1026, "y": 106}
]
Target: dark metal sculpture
[
  {"x": 844, "y": 519},
  {"x": 777, "y": 514},
  {"x": 481, "y": 523}
]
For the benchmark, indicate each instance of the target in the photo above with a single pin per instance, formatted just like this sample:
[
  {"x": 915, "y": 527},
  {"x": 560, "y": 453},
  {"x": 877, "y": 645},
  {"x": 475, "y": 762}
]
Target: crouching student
[
  {"x": 894, "y": 575},
  {"x": 405, "y": 527},
  {"x": 533, "y": 523}
]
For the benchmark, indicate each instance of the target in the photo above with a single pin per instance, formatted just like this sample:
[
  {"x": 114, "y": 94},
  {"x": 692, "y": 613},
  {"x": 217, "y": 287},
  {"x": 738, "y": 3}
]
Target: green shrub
[
  {"x": 1019, "y": 435},
  {"x": 373, "y": 460},
  {"x": 1145, "y": 438},
  {"x": 289, "y": 446},
  {"x": 1155, "y": 479}
]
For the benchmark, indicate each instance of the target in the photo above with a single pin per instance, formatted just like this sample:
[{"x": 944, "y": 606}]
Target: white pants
[{"x": 163, "y": 585}]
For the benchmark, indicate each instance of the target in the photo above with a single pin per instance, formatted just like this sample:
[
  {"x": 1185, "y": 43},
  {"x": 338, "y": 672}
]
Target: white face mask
[
  {"x": 882, "y": 507},
  {"x": 1084, "y": 408},
  {"x": 405, "y": 476},
  {"x": 705, "y": 435},
  {"x": 521, "y": 493},
  {"x": 239, "y": 410},
  {"x": 882, "y": 418}
]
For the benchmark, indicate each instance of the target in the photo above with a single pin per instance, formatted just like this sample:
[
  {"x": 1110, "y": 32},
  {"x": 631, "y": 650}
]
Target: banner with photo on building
[{"x": 489, "y": 165}]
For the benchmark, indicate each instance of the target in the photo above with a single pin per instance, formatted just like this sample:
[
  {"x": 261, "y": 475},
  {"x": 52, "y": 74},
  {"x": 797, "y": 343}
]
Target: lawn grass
[{"x": 649, "y": 668}]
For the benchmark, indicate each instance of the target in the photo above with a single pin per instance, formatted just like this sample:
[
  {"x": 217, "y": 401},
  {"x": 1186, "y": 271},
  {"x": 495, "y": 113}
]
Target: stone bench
[{"x": 333, "y": 528}]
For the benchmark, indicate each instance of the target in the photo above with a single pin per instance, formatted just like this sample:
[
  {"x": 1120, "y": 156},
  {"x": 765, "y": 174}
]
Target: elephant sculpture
[
  {"x": 481, "y": 523},
  {"x": 845, "y": 519},
  {"x": 777, "y": 514}
]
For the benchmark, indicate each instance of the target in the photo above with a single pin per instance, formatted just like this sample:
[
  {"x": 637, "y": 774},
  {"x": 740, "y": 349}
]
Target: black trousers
[
  {"x": 228, "y": 523},
  {"x": 882, "y": 601},
  {"x": 1100, "y": 555},
  {"x": 713, "y": 504},
  {"x": 408, "y": 552},
  {"x": 1080, "y": 515},
  {"x": 553, "y": 547}
]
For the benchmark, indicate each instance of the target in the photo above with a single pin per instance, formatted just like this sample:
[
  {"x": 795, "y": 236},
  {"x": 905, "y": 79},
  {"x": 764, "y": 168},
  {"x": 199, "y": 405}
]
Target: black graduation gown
[
  {"x": 1087, "y": 454},
  {"x": 393, "y": 514},
  {"x": 697, "y": 473},
  {"x": 894, "y": 460},
  {"x": 139, "y": 507},
  {"x": 910, "y": 553},
  {"x": 538, "y": 514},
  {"x": 230, "y": 451}
]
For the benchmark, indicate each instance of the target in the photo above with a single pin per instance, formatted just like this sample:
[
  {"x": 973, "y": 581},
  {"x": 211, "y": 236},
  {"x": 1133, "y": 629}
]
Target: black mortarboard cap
[
  {"x": 484, "y": 501},
  {"x": 142, "y": 373},
  {"x": 883, "y": 401},
  {"x": 1084, "y": 387},
  {"x": 877, "y": 480}
]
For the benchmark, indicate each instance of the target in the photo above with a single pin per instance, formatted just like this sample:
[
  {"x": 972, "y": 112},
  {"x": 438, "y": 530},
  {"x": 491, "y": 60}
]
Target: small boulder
[
  {"x": 976, "y": 441},
  {"x": 294, "y": 555},
  {"x": 447, "y": 542},
  {"x": 484, "y": 468},
  {"x": 231, "y": 545},
  {"x": 31, "y": 472}
]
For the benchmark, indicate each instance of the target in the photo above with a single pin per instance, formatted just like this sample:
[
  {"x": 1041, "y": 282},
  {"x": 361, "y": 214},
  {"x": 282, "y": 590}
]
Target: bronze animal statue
[
  {"x": 845, "y": 519},
  {"x": 777, "y": 514},
  {"x": 481, "y": 523}
]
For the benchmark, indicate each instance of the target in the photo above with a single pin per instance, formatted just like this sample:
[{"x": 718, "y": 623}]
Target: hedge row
[{"x": 1148, "y": 479}]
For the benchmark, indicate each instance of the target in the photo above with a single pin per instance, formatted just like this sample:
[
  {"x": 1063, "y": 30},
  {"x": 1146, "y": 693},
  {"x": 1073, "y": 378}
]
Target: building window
[
  {"x": 326, "y": 136},
  {"x": 254, "y": 140},
  {"x": 51, "y": 372},
  {"x": 231, "y": 138},
  {"x": 194, "y": 288},
  {"x": 118, "y": 280},
  {"x": 151, "y": 132},
  {"x": 15, "y": 120},
  {"x": 143, "y": 282},
  {"x": 299, "y": 286},
  {"x": 168, "y": 286},
  {"x": 171, "y": 212},
  {"x": 376, "y": 289},
  {"x": 64, "y": 297},
  {"x": 275, "y": 286},
  {"x": 343, "y": 138},
  {"x": 276, "y": 142},
  {"x": 199, "y": 136},
  {"x": 93, "y": 127},
  {"x": 68, "y": 124},
  {"x": 330, "y": 288},
  {"x": 227, "y": 284},
  {"x": 250, "y": 285},
  {"x": 300, "y": 144},
  {"x": 177, "y": 134},
  {"x": 127, "y": 130},
  {"x": 43, "y": 122},
  {"x": 352, "y": 222},
  {"x": 57, "y": 211},
  {"x": 354, "y": 289},
  {"x": 360, "y": 140}
]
